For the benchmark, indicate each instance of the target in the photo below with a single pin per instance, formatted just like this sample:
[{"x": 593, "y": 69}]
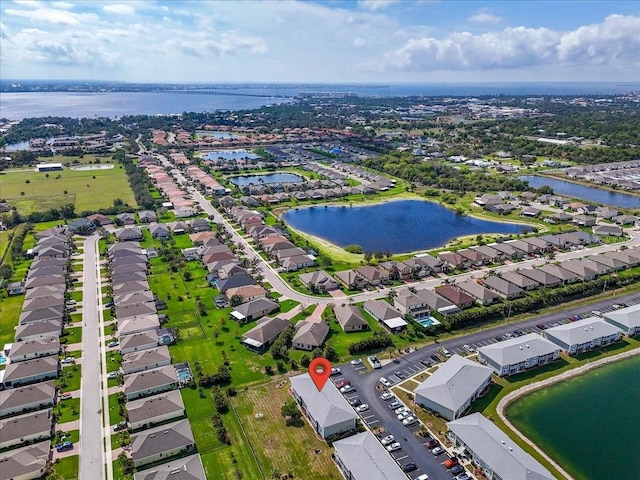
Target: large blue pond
[
  {"x": 229, "y": 155},
  {"x": 591, "y": 194},
  {"x": 396, "y": 227},
  {"x": 259, "y": 179}
]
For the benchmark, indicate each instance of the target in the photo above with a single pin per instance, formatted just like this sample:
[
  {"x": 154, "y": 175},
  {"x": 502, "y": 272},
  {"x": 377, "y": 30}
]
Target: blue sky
[{"x": 334, "y": 41}]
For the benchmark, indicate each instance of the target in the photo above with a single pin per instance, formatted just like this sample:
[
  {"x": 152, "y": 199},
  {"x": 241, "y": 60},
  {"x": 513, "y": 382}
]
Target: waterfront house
[
  {"x": 495, "y": 454},
  {"x": 491, "y": 254},
  {"x": 350, "y": 279},
  {"x": 627, "y": 319},
  {"x": 518, "y": 354},
  {"x": 318, "y": 281},
  {"x": 473, "y": 257},
  {"x": 430, "y": 264},
  {"x": 372, "y": 275},
  {"x": 362, "y": 457},
  {"x": 326, "y": 410},
  {"x": 583, "y": 335},
  {"x": 453, "y": 387},
  {"x": 454, "y": 260},
  {"x": 523, "y": 247}
]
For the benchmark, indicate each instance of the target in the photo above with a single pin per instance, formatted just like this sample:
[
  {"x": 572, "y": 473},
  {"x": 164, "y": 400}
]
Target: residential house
[
  {"x": 503, "y": 288},
  {"x": 518, "y": 354},
  {"x": 525, "y": 248},
  {"x": 453, "y": 387},
  {"x": 372, "y": 275},
  {"x": 31, "y": 331},
  {"x": 126, "y": 218},
  {"x": 247, "y": 292},
  {"x": 326, "y": 410},
  {"x": 612, "y": 264},
  {"x": 396, "y": 270},
  {"x": 30, "y": 397},
  {"x": 488, "y": 200},
  {"x": 253, "y": 310},
  {"x": 159, "y": 443},
  {"x": 296, "y": 262},
  {"x": 539, "y": 245},
  {"x": 409, "y": 303},
  {"x": 150, "y": 382},
  {"x": 82, "y": 226},
  {"x": 318, "y": 281},
  {"x": 138, "y": 341},
  {"x": 31, "y": 371},
  {"x": 30, "y": 349},
  {"x": 147, "y": 216},
  {"x": 491, "y": 254},
  {"x": 266, "y": 331},
  {"x": 493, "y": 451},
  {"x": 160, "y": 231},
  {"x": 606, "y": 212},
  {"x": 199, "y": 225},
  {"x": 129, "y": 326},
  {"x": 520, "y": 281},
  {"x": 583, "y": 335},
  {"x": 148, "y": 411},
  {"x": 185, "y": 211},
  {"x": 386, "y": 315},
  {"x": 627, "y": 319},
  {"x": 630, "y": 260},
  {"x": 350, "y": 318},
  {"x": 179, "y": 228},
  {"x": 430, "y": 264},
  {"x": 184, "y": 468},
  {"x": 350, "y": 280},
  {"x": 460, "y": 299},
  {"x": 362, "y": 457},
  {"x": 135, "y": 310},
  {"x": 224, "y": 284},
  {"x": 545, "y": 279},
  {"x": 482, "y": 295},
  {"x": 26, "y": 463},
  {"x": 100, "y": 219},
  {"x": 129, "y": 234},
  {"x": 454, "y": 260},
  {"x": 27, "y": 428},
  {"x": 146, "y": 360},
  {"x": 231, "y": 270},
  {"x": 584, "y": 220},
  {"x": 579, "y": 267},
  {"x": 310, "y": 334},
  {"x": 567, "y": 276}
]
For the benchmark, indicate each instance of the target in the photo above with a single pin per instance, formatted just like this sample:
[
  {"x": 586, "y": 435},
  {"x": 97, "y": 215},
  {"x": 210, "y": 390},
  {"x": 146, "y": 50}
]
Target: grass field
[
  {"x": 87, "y": 190},
  {"x": 67, "y": 410},
  {"x": 69, "y": 161},
  {"x": 10, "y": 309},
  {"x": 295, "y": 450},
  {"x": 67, "y": 467}
]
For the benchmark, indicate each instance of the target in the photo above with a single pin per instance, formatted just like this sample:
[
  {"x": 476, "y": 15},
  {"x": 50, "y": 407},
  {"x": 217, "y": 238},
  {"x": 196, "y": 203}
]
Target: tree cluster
[{"x": 378, "y": 341}]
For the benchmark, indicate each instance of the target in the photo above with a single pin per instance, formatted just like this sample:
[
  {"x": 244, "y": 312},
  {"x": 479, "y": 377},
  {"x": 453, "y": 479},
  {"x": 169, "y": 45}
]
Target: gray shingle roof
[
  {"x": 43, "y": 392},
  {"x": 496, "y": 449},
  {"x": 38, "y": 366},
  {"x": 24, "y": 461},
  {"x": 502, "y": 286},
  {"x": 516, "y": 350},
  {"x": 349, "y": 316},
  {"x": 311, "y": 333},
  {"x": 186, "y": 468},
  {"x": 629, "y": 316},
  {"x": 582, "y": 331},
  {"x": 327, "y": 407},
  {"x": 157, "y": 377},
  {"x": 365, "y": 457},
  {"x": 20, "y": 426},
  {"x": 454, "y": 382},
  {"x": 146, "y": 409},
  {"x": 161, "y": 439}
]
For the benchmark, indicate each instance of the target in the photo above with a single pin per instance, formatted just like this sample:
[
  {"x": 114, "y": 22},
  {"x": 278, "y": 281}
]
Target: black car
[
  {"x": 456, "y": 469},
  {"x": 354, "y": 402},
  {"x": 426, "y": 363},
  {"x": 435, "y": 358},
  {"x": 399, "y": 374},
  {"x": 409, "y": 467}
]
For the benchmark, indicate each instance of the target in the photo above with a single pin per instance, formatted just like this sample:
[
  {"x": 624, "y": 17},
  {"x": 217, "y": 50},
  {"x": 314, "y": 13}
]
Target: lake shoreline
[
  {"x": 528, "y": 389},
  {"x": 585, "y": 183}
]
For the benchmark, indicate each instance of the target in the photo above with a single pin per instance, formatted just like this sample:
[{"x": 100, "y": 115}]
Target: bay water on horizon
[{"x": 17, "y": 106}]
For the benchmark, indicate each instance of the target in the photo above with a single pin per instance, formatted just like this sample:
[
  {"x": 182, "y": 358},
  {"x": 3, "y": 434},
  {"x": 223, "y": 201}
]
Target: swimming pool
[{"x": 428, "y": 321}]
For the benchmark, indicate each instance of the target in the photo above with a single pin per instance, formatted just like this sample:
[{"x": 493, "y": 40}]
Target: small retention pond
[
  {"x": 396, "y": 227},
  {"x": 260, "y": 179}
]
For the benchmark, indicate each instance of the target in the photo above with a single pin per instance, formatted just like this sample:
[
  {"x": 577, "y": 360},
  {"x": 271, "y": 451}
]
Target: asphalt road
[
  {"x": 92, "y": 459},
  {"x": 413, "y": 448}
]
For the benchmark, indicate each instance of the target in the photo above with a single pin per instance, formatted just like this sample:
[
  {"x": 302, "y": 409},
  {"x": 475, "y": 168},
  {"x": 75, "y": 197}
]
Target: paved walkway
[{"x": 507, "y": 399}]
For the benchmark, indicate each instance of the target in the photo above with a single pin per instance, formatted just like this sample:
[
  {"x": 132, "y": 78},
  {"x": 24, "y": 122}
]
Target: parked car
[
  {"x": 65, "y": 396},
  {"x": 425, "y": 363},
  {"x": 362, "y": 408},
  {"x": 403, "y": 415},
  {"x": 335, "y": 371},
  {"x": 68, "y": 360},
  {"x": 61, "y": 447},
  {"x": 469, "y": 348},
  {"x": 120, "y": 426},
  {"x": 395, "y": 446},
  {"x": 347, "y": 389},
  {"x": 437, "y": 450},
  {"x": 108, "y": 305},
  {"x": 463, "y": 476},
  {"x": 343, "y": 383},
  {"x": 402, "y": 409},
  {"x": 399, "y": 374},
  {"x": 374, "y": 362},
  {"x": 424, "y": 476},
  {"x": 113, "y": 343},
  {"x": 456, "y": 469},
  {"x": 386, "y": 396},
  {"x": 112, "y": 375},
  {"x": 436, "y": 358},
  {"x": 433, "y": 443},
  {"x": 541, "y": 326},
  {"x": 387, "y": 440},
  {"x": 407, "y": 422},
  {"x": 409, "y": 467},
  {"x": 395, "y": 404},
  {"x": 445, "y": 352},
  {"x": 451, "y": 462},
  {"x": 356, "y": 361},
  {"x": 385, "y": 382},
  {"x": 354, "y": 402}
]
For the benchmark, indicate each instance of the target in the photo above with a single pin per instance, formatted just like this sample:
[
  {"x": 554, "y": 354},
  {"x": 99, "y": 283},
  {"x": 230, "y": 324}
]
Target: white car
[
  {"x": 335, "y": 371},
  {"x": 357, "y": 361},
  {"x": 385, "y": 382},
  {"x": 424, "y": 476},
  {"x": 112, "y": 375},
  {"x": 407, "y": 422},
  {"x": 437, "y": 450},
  {"x": 394, "y": 447},
  {"x": 362, "y": 408},
  {"x": 401, "y": 410},
  {"x": 347, "y": 389},
  {"x": 386, "y": 396},
  {"x": 403, "y": 415},
  {"x": 387, "y": 440},
  {"x": 469, "y": 348}
]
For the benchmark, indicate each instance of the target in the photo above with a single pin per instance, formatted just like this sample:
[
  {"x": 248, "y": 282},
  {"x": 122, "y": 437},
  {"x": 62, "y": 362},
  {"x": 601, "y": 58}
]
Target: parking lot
[{"x": 412, "y": 448}]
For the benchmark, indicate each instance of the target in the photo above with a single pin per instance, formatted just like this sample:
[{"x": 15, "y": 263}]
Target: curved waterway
[
  {"x": 396, "y": 227},
  {"x": 590, "y": 194},
  {"x": 588, "y": 424}
]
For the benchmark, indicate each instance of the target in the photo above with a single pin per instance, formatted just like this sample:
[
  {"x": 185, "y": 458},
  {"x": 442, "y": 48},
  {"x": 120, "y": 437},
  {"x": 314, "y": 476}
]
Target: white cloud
[
  {"x": 228, "y": 43},
  {"x": 485, "y": 17},
  {"x": 358, "y": 42},
  {"x": 375, "y": 4},
  {"x": 119, "y": 9},
  {"x": 62, "y": 5},
  {"x": 51, "y": 15},
  {"x": 618, "y": 37}
]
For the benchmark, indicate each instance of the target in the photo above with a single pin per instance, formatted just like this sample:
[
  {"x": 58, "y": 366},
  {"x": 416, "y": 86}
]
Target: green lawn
[
  {"x": 287, "y": 305},
  {"x": 82, "y": 190},
  {"x": 67, "y": 467},
  {"x": 67, "y": 410},
  {"x": 114, "y": 409},
  {"x": 60, "y": 436},
  {"x": 10, "y": 308},
  {"x": 69, "y": 379},
  {"x": 72, "y": 335}
]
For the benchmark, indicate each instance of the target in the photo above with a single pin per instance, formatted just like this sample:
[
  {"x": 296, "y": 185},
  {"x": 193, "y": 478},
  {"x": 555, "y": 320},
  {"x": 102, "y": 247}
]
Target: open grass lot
[
  {"x": 287, "y": 449},
  {"x": 70, "y": 161},
  {"x": 67, "y": 467},
  {"x": 10, "y": 308},
  {"x": 67, "y": 410},
  {"x": 87, "y": 190}
]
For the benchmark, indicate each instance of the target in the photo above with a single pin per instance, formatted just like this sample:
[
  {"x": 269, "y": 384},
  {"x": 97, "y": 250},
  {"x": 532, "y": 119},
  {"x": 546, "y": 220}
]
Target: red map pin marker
[{"x": 320, "y": 370}]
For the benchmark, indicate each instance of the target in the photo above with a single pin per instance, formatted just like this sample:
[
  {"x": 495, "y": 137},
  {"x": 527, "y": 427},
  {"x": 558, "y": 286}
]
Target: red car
[
  {"x": 451, "y": 462},
  {"x": 343, "y": 383}
]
